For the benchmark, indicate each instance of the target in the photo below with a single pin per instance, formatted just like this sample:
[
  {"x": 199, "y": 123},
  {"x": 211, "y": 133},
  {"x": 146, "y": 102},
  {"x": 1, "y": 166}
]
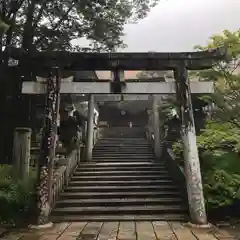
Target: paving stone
[
  {"x": 91, "y": 231},
  {"x": 181, "y": 232},
  {"x": 31, "y": 236},
  {"x": 48, "y": 237},
  {"x": 163, "y": 231},
  {"x": 109, "y": 231},
  {"x": 224, "y": 234},
  {"x": 63, "y": 237},
  {"x": 203, "y": 234},
  {"x": 57, "y": 229},
  {"x": 74, "y": 229},
  {"x": 13, "y": 236},
  {"x": 127, "y": 231},
  {"x": 145, "y": 231}
]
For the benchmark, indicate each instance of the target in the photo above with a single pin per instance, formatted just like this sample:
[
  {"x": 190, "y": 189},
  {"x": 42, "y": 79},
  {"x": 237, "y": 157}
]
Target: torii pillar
[
  {"x": 156, "y": 126},
  {"x": 191, "y": 157},
  {"x": 90, "y": 127}
]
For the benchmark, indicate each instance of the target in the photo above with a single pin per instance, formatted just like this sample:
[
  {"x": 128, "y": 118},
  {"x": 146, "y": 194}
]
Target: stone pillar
[
  {"x": 191, "y": 163},
  {"x": 156, "y": 126},
  {"x": 90, "y": 127},
  {"x": 21, "y": 153},
  {"x": 54, "y": 134},
  {"x": 45, "y": 163}
]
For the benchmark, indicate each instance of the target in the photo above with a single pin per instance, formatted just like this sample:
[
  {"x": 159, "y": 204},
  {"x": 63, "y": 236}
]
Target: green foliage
[
  {"x": 226, "y": 75},
  {"x": 177, "y": 148},
  {"x": 53, "y": 25},
  {"x": 16, "y": 198},
  {"x": 220, "y": 165},
  {"x": 219, "y": 135},
  {"x": 220, "y": 188},
  {"x": 219, "y": 142}
]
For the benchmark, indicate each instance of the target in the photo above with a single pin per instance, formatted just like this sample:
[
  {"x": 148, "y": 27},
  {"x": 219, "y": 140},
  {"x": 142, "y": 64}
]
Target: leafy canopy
[
  {"x": 53, "y": 24},
  {"x": 226, "y": 75}
]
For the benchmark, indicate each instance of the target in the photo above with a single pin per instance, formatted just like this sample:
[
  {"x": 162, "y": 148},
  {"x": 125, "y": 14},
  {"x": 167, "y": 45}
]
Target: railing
[
  {"x": 62, "y": 174},
  {"x": 59, "y": 178},
  {"x": 65, "y": 165},
  {"x": 175, "y": 166}
]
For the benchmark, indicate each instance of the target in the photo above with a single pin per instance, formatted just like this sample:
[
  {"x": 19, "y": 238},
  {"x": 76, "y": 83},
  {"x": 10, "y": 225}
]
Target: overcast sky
[{"x": 179, "y": 25}]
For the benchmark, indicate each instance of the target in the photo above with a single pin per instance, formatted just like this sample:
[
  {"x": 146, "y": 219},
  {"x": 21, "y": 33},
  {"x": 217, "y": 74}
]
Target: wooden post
[
  {"x": 21, "y": 153},
  {"x": 191, "y": 163},
  {"x": 90, "y": 127}
]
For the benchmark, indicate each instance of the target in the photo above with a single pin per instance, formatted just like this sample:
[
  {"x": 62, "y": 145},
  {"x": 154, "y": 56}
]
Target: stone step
[
  {"x": 118, "y": 202},
  {"x": 120, "y": 217},
  {"x": 120, "y": 209},
  {"x": 122, "y": 148},
  {"x": 122, "y": 160},
  {"x": 129, "y": 139},
  {"x": 152, "y": 164},
  {"x": 123, "y": 143},
  {"x": 127, "y": 188},
  {"x": 123, "y": 154},
  {"x": 122, "y": 151},
  {"x": 113, "y": 177},
  {"x": 122, "y": 157},
  {"x": 112, "y": 168},
  {"x": 101, "y": 183},
  {"x": 140, "y": 174},
  {"x": 111, "y": 195}
]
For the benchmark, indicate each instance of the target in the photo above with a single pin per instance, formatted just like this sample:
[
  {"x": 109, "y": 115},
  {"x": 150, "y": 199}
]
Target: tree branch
[
  {"x": 14, "y": 8},
  {"x": 40, "y": 40},
  {"x": 40, "y": 13}
]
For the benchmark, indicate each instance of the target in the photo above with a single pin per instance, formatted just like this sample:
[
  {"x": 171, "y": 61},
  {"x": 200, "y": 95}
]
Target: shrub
[
  {"x": 220, "y": 163},
  {"x": 15, "y": 197},
  {"x": 220, "y": 188}
]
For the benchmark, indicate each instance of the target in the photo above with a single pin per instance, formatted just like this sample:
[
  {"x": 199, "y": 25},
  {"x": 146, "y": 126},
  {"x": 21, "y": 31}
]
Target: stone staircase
[{"x": 124, "y": 181}]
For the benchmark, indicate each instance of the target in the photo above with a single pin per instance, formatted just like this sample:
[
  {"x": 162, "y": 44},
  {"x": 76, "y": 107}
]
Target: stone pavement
[{"x": 123, "y": 231}]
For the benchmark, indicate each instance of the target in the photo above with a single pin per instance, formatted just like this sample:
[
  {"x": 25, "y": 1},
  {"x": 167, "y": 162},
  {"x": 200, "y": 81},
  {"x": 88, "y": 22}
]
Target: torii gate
[{"x": 180, "y": 63}]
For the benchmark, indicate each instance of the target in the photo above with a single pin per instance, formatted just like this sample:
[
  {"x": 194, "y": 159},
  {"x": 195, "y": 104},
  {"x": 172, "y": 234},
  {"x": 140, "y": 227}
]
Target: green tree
[
  {"x": 219, "y": 141},
  {"x": 226, "y": 76},
  {"x": 53, "y": 24}
]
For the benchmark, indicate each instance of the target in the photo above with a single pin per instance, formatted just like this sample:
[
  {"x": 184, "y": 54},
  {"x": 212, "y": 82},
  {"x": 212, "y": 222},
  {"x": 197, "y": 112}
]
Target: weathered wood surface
[
  {"x": 123, "y": 231},
  {"x": 126, "y": 61}
]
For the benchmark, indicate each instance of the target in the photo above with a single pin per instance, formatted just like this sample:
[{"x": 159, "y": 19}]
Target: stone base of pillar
[
  {"x": 39, "y": 227},
  {"x": 202, "y": 226}
]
